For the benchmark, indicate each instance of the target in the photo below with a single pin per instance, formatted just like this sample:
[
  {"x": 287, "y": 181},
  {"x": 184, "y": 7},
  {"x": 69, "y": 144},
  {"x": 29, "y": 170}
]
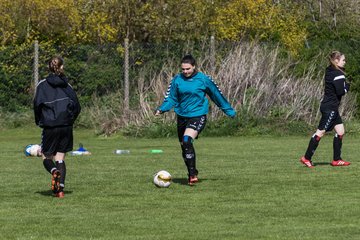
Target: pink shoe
[
  {"x": 60, "y": 194},
  {"x": 55, "y": 181},
  {"x": 193, "y": 180},
  {"x": 339, "y": 163},
  {"x": 306, "y": 162}
]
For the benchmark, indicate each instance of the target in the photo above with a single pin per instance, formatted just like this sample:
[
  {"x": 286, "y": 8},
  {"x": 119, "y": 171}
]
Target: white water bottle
[{"x": 119, "y": 151}]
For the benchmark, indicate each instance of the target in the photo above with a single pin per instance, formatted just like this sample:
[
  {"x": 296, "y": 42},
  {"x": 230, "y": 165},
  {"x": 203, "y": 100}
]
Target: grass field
[{"x": 250, "y": 188}]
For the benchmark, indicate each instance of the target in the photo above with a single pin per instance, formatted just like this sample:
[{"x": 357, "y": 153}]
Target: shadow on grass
[
  {"x": 321, "y": 163},
  {"x": 50, "y": 193}
]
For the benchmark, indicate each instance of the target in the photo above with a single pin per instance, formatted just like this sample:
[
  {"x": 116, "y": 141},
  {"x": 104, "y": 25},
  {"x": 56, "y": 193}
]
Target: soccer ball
[
  {"x": 33, "y": 150},
  {"x": 162, "y": 179}
]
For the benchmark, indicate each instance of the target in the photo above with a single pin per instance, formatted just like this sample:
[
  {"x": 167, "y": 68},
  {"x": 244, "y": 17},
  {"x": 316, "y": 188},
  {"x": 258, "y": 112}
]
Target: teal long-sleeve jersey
[{"x": 188, "y": 96}]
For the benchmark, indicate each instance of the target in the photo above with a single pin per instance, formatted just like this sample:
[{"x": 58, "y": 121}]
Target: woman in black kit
[
  {"x": 335, "y": 87},
  {"x": 56, "y": 107}
]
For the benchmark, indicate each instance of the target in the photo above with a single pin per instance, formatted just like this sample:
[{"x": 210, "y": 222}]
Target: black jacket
[
  {"x": 335, "y": 88},
  {"x": 55, "y": 102}
]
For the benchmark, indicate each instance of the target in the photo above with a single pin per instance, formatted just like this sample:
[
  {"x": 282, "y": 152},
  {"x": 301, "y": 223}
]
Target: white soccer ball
[
  {"x": 33, "y": 150},
  {"x": 27, "y": 150},
  {"x": 162, "y": 179}
]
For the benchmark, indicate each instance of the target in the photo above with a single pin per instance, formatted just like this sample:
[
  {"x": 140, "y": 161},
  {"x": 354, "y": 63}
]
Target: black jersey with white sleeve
[{"x": 335, "y": 87}]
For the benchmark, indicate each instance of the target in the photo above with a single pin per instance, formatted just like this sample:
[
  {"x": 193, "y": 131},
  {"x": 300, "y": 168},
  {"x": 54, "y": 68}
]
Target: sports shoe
[
  {"x": 55, "y": 181},
  {"x": 193, "y": 180},
  {"x": 60, "y": 194},
  {"x": 339, "y": 163},
  {"x": 306, "y": 162}
]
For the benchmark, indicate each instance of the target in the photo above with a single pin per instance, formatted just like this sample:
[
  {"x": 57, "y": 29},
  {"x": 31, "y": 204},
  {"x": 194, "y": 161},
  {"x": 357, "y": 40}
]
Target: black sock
[
  {"x": 49, "y": 165},
  {"x": 189, "y": 155},
  {"x": 313, "y": 144},
  {"x": 184, "y": 156},
  {"x": 60, "y": 165},
  {"x": 192, "y": 166},
  {"x": 337, "y": 144}
]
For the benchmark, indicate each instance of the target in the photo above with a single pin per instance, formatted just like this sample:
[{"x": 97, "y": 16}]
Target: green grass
[{"x": 250, "y": 188}]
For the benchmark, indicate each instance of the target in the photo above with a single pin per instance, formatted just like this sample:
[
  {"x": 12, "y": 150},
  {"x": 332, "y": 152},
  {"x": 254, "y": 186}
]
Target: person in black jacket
[
  {"x": 56, "y": 107},
  {"x": 335, "y": 87}
]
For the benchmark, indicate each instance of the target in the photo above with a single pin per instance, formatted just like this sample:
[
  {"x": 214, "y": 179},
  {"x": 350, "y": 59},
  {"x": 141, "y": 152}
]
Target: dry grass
[{"x": 252, "y": 77}]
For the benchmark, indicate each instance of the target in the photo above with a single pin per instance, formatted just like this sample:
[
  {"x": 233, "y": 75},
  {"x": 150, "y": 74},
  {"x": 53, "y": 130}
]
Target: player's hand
[
  {"x": 157, "y": 112},
  {"x": 347, "y": 86}
]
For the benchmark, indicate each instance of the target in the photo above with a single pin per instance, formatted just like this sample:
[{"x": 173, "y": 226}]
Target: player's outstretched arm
[{"x": 157, "y": 112}]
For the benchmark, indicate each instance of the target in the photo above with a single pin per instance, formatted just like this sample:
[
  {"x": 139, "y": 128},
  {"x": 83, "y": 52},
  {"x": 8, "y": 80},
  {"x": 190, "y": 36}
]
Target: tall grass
[
  {"x": 16, "y": 119},
  {"x": 255, "y": 79}
]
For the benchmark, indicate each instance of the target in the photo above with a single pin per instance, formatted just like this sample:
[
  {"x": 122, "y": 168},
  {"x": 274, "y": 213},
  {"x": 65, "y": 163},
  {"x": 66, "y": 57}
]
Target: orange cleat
[
  {"x": 339, "y": 163},
  {"x": 55, "y": 181},
  {"x": 60, "y": 194},
  {"x": 306, "y": 162},
  {"x": 193, "y": 180}
]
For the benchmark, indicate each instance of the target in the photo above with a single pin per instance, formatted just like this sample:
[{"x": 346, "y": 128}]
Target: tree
[
  {"x": 8, "y": 28},
  {"x": 260, "y": 19},
  {"x": 333, "y": 19},
  {"x": 165, "y": 20}
]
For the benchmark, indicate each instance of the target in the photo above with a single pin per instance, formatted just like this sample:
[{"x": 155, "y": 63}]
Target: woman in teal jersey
[{"x": 187, "y": 95}]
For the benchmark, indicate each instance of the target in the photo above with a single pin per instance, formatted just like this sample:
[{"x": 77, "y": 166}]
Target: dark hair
[
  {"x": 333, "y": 56},
  {"x": 188, "y": 59},
  {"x": 55, "y": 65}
]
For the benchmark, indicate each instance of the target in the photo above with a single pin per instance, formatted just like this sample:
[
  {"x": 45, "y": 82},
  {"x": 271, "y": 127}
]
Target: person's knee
[
  {"x": 340, "y": 132},
  {"x": 340, "y": 136},
  {"x": 59, "y": 156},
  {"x": 187, "y": 140},
  {"x": 187, "y": 144},
  {"x": 339, "y": 129},
  {"x": 47, "y": 156},
  {"x": 320, "y": 133}
]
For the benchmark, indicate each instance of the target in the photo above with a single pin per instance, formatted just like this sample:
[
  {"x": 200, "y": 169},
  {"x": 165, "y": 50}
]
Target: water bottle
[
  {"x": 119, "y": 151},
  {"x": 156, "y": 151}
]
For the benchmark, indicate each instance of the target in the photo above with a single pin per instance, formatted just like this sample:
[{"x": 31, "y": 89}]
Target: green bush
[{"x": 16, "y": 77}]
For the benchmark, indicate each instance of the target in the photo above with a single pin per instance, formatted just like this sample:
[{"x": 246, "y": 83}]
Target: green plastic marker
[{"x": 156, "y": 151}]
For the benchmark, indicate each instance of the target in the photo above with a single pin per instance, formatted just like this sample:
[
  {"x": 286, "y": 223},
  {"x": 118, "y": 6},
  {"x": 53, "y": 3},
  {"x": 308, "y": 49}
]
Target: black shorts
[
  {"x": 329, "y": 119},
  {"x": 196, "y": 123},
  {"x": 59, "y": 139}
]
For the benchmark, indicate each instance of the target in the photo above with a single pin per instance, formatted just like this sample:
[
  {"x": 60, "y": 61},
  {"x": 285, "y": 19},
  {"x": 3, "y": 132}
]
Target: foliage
[
  {"x": 260, "y": 19},
  {"x": 11, "y": 120},
  {"x": 94, "y": 70},
  {"x": 7, "y": 23},
  {"x": 16, "y": 77},
  {"x": 83, "y": 21},
  {"x": 99, "y": 22},
  {"x": 315, "y": 56},
  {"x": 96, "y": 73},
  {"x": 332, "y": 19},
  {"x": 90, "y": 35}
]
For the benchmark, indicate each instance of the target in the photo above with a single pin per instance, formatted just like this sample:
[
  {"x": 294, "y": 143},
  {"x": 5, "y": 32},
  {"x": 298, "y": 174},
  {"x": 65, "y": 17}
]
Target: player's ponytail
[{"x": 56, "y": 65}]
